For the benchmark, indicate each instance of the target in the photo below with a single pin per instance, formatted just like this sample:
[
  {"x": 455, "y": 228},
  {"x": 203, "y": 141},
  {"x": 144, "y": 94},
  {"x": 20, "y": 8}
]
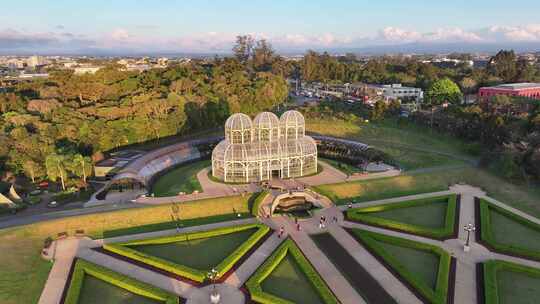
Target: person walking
[{"x": 281, "y": 231}]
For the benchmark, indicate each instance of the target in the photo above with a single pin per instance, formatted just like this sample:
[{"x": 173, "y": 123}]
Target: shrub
[
  {"x": 83, "y": 268},
  {"x": 487, "y": 237},
  {"x": 437, "y": 296},
  {"x": 256, "y": 199},
  {"x": 288, "y": 247},
  {"x": 185, "y": 271},
  {"x": 363, "y": 215}
]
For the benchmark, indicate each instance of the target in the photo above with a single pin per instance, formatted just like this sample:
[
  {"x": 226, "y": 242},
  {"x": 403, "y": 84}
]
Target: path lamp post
[
  {"x": 469, "y": 228},
  {"x": 215, "y": 297}
]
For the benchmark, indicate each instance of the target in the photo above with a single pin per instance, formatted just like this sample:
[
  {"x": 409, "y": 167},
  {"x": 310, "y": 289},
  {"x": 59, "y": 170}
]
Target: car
[{"x": 53, "y": 204}]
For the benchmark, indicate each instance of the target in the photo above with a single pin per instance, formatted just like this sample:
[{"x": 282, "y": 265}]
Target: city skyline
[{"x": 211, "y": 26}]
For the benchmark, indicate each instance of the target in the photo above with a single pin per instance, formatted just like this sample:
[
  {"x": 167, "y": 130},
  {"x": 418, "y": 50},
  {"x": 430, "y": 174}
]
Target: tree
[
  {"x": 55, "y": 167},
  {"x": 503, "y": 65},
  {"x": 444, "y": 90},
  {"x": 377, "y": 113},
  {"x": 468, "y": 86},
  {"x": 33, "y": 169},
  {"x": 263, "y": 56},
  {"x": 80, "y": 166},
  {"x": 243, "y": 48}
]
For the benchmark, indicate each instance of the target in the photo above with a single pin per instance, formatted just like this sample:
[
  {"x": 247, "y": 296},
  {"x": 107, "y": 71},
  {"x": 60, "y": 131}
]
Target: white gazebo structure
[{"x": 268, "y": 146}]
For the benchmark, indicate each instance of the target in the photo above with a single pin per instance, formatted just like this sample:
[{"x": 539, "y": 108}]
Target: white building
[
  {"x": 397, "y": 91},
  {"x": 86, "y": 70},
  {"x": 34, "y": 61}
]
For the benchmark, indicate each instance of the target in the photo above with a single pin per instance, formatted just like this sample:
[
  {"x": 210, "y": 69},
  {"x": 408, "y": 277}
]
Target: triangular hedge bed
[
  {"x": 438, "y": 295},
  {"x": 197, "y": 275},
  {"x": 488, "y": 238},
  {"x": 491, "y": 270},
  {"x": 287, "y": 248},
  {"x": 374, "y": 216},
  {"x": 84, "y": 268}
]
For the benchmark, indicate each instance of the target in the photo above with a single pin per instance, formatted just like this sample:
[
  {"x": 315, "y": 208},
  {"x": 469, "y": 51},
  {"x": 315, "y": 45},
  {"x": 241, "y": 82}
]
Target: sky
[{"x": 203, "y": 26}]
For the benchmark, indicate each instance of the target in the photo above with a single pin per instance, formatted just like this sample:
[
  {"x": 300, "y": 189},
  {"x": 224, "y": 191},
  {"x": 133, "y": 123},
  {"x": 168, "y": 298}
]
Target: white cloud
[
  {"x": 529, "y": 32},
  {"x": 399, "y": 35}
]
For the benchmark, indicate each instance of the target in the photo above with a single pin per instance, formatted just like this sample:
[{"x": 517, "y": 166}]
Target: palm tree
[{"x": 55, "y": 166}]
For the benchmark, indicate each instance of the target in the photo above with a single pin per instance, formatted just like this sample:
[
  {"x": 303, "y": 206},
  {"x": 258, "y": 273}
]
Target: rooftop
[{"x": 518, "y": 86}]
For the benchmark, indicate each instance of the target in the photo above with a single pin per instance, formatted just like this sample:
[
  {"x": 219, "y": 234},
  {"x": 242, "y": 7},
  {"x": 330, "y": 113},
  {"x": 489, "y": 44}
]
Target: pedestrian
[
  {"x": 350, "y": 205},
  {"x": 297, "y": 226},
  {"x": 320, "y": 224},
  {"x": 334, "y": 219},
  {"x": 281, "y": 231}
]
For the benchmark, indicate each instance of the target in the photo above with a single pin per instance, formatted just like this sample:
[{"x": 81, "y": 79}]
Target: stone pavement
[
  {"x": 228, "y": 294},
  {"x": 248, "y": 267},
  {"x": 64, "y": 253}
]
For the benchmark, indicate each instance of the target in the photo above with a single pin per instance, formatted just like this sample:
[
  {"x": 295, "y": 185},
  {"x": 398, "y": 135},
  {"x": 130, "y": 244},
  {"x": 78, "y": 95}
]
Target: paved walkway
[
  {"x": 248, "y": 267},
  {"x": 330, "y": 274},
  {"x": 65, "y": 251}
]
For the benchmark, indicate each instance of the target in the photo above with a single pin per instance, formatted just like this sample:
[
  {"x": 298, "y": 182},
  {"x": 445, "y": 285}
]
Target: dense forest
[{"x": 57, "y": 128}]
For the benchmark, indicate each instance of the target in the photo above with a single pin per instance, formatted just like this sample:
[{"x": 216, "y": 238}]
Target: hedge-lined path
[
  {"x": 326, "y": 269},
  {"x": 255, "y": 260}
]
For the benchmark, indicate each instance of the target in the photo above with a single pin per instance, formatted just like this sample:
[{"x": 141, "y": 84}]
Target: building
[
  {"x": 107, "y": 168},
  {"x": 529, "y": 90},
  {"x": 397, "y": 91},
  {"x": 86, "y": 70},
  {"x": 266, "y": 147},
  {"x": 35, "y": 61}
]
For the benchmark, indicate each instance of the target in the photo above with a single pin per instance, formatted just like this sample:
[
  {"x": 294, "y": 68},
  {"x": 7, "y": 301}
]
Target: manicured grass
[
  {"x": 289, "y": 279},
  {"x": 425, "y": 267},
  {"x": 368, "y": 190},
  {"x": 91, "y": 283},
  {"x": 341, "y": 166},
  {"x": 358, "y": 277},
  {"x": 509, "y": 283},
  {"x": 200, "y": 254},
  {"x": 185, "y": 254},
  {"x": 289, "y": 282},
  {"x": 433, "y": 217},
  {"x": 509, "y": 233},
  {"x": 180, "y": 179},
  {"x": 95, "y": 290},
  {"x": 24, "y": 273}
]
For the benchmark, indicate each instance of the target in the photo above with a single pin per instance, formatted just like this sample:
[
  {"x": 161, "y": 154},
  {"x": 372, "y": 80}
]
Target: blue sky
[{"x": 212, "y": 25}]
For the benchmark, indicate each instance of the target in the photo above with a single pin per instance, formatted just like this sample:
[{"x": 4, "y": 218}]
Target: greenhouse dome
[{"x": 265, "y": 148}]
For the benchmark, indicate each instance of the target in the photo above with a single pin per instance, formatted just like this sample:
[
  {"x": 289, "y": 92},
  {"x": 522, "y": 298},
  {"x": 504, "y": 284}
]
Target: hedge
[
  {"x": 491, "y": 268},
  {"x": 437, "y": 296},
  {"x": 287, "y": 247},
  {"x": 362, "y": 215},
  {"x": 487, "y": 237},
  {"x": 198, "y": 275},
  {"x": 83, "y": 268},
  {"x": 258, "y": 198}
]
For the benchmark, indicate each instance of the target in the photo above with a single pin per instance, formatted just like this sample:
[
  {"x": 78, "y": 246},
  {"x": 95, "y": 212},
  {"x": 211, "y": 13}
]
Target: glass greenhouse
[{"x": 266, "y": 147}]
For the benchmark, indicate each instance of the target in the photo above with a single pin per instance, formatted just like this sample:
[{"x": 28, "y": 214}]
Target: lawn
[
  {"x": 426, "y": 268},
  {"x": 412, "y": 146},
  {"x": 95, "y": 290},
  {"x": 91, "y": 283},
  {"x": 507, "y": 232},
  {"x": 509, "y": 283},
  {"x": 287, "y": 276},
  {"x": 179, "y": 179},
  {"x": 24, "y": 273},
  {"x": 429, "y": 215},
  {"x": 192, "y": 255},
  {"x": 289, "y": 282},
  {"x": 433, "y": 217},
  {"x": 202, "y": 254},
  {"x": 357, "y": 275}
]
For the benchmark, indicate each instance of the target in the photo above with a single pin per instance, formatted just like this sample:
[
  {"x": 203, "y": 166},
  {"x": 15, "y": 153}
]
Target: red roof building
[{"x": 529, "y": 90}]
